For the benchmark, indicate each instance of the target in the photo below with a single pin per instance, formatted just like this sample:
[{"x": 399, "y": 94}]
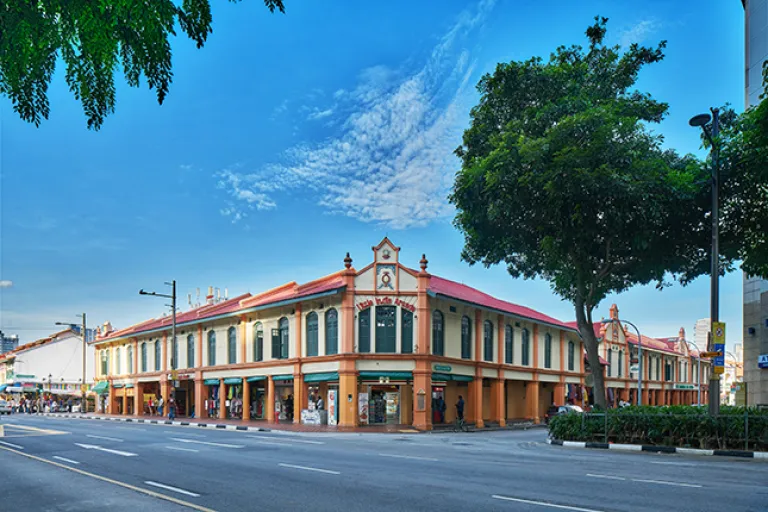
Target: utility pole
[
  {"x": 714, "y": 379},
  {"x": 83, "y": 402},
  {"x": 172, "y": 284}
]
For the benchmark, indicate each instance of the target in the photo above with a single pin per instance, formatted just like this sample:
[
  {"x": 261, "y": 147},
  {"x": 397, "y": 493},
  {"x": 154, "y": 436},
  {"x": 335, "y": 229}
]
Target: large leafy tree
[
  {"x": 561, "y": 179},
  {"x": 93, "y": 38}
]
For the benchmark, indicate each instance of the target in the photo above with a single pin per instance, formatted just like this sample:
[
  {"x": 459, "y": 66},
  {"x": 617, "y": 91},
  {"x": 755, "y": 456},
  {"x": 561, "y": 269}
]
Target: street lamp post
[
  {"x": 698, "y": 372},
  {"x": 84, "y": 336},
  {"x": 702, "y": 121},
  {"x": 172, "y": 284},
  {"x": 639, "y": 356}
]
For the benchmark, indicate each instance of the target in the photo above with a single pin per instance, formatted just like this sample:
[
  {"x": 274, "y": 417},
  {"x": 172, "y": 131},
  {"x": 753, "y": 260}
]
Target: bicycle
[{"x": 460, "y": 426}]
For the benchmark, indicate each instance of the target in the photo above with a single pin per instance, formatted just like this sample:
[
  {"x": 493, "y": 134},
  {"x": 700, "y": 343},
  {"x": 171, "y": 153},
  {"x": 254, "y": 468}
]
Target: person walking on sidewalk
[
  {"x": 171, "y": 408},
  {"x": 160, "y": 403}
]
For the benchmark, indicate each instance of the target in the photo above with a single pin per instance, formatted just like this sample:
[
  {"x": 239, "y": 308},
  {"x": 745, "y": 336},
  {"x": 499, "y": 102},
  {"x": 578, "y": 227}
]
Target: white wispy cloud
[
  {"x": 391, "y": 159},
  {"x": 638, "y": 32},
  {"x": 6, "y": 283}
]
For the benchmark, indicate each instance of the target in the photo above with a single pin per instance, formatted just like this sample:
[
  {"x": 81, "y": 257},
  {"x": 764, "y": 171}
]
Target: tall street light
[
  {"x": 172, "y": 296},
  {"x": 711, "y": 133},
  {"x": 698, "y": 372},
  {"x": 639, "y": 356},
  {"x": 84, "y": 336}
]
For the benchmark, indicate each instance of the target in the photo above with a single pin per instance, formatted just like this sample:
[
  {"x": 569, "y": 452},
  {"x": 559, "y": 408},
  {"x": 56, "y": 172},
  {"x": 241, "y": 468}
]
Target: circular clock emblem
[{"x": 385, "y": 254}]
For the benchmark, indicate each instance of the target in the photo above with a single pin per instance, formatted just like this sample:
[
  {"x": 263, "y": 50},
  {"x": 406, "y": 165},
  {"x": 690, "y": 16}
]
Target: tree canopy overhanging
[
  {"x": 563, "y": 179},
  {"x": 93, "y": 39}
]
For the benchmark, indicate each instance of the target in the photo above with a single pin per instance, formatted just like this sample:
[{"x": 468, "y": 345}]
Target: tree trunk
[{"x": 584, "y": 322}]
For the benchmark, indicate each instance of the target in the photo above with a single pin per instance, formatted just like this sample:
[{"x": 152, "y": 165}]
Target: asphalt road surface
[{"x": 58, "y": 464}]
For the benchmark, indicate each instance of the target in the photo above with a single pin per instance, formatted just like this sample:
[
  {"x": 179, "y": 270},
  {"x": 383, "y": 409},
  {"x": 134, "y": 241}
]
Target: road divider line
[
  {"x": 104, "y": 438},
  {"x": 221, "y": 445},
  {"x": 661, "y": 482},
  {"x": 65, "y": 460},
  {"x": 182, "y": 449},
  {"x": 307, "y": 468},
  {"x": 12, "y": 445},
  {"x": 108, "y": 450},
  {"x": 286, "y": 439},
  {"x": 544, "y": 504},
  {"x": 609, "y": 477},
  {"x": 170, "y": 488},
  {"x": 413, "y": 457},
  {"x": 147, "y": 492}
]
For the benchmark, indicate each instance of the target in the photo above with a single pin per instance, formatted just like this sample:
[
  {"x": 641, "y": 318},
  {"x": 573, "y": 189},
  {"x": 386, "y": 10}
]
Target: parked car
[
  {"x": 556, "y": 410},
  {"x": 5, "y": 407}
]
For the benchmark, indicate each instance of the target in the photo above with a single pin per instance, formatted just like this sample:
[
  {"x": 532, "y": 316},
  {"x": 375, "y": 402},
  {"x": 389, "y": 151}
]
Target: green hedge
[{"x": 736, "y": 428}]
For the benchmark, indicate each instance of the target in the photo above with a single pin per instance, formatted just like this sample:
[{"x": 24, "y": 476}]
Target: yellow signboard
[
  {"x": 718, "y": 328},
  {"x": 718, "y": 370}
]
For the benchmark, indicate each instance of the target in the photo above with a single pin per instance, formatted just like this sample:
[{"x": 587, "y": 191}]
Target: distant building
[
  {"x": 755, "y": 289},
  {"x": 8, "y": 343},
  {"x": 701, "y": 333}
]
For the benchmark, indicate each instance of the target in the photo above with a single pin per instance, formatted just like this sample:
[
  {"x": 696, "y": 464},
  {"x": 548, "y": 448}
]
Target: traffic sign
[
  {"x": 711, "y": 354},
  {"x": 762, "y": 361},
  {"x": 718, "y": 370}
]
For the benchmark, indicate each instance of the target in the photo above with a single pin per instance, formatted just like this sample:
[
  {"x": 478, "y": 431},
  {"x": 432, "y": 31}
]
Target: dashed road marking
[
  {"x": 221, "y": 445},
  {"x": 105, "y": 438},
  {"x": 12, "y": 445},
  {"x": 307, "y": 468},
  {"x": 65, "y": 460},
  {"x": 182, "y": 449},
  {"x": 544, "y": 504},
  {"x": 412, "y": 457},
  {"x": 171, "y": 488}
]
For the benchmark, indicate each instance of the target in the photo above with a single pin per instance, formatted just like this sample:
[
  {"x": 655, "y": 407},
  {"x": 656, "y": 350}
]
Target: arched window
[
  {"x": 190, "y": 351},
  {"x": 129, "y": 351},
  {"x": 466, "y": 338},
  {"x": 331, "y": 332},
  {"x": 312, "y": 335},
  {"x": 547, "y": 350},
  {"x": 258, "y": 342},
  {"x": 175, "y": 354},
  {"x": 386, "y": 329},
  {"x": 406, "y": 334},
  {"x": 118, "y": 370},
  {"x": 284, "y": 339},
  {"x": 158, "y": 357},
  {"x": 364, "y": 331},
  {"x": 571, "y": 356},
  {"x": 488, "y": 340},
  {"x": 144, "y": 356},
  {"x": 438, "y": 341},
  {"x": 231, "y": 345},
  {"x": 509, "y": 344},
  {"x": 621, "y": 360},
  {"x": 526, "y": 347},
  {"x": 610, "y": 361},
  {"x": 104, "y": 363},
  {"x": 211, "y": 348}
]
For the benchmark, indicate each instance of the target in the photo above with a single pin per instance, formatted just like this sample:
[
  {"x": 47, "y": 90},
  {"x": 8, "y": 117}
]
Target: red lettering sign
[{"x": 385, "y": 301}]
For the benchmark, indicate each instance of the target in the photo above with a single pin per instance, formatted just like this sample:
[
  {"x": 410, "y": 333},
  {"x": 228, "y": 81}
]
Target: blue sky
[{"x": 291, "y": 139}]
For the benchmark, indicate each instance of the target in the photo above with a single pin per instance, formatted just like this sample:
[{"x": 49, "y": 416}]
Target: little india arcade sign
[{"x": 385, "y": 301}]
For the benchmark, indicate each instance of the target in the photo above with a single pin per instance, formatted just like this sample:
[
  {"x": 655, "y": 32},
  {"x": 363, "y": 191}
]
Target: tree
[
  {"x": 561, "y": 179},
  {"x": 93, "y": 38}
]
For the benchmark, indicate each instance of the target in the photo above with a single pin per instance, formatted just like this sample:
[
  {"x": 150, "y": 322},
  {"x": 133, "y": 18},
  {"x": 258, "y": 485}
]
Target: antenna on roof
[
  {"x": 189, "y": 300},
  {"x": 197, "y": 300},
  {"x": 226, "y": 293},
  {"x": 218, "y": 295}
]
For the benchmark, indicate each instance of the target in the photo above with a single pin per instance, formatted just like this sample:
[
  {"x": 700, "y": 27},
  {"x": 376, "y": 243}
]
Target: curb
[
  {"x": 659, "y": 449},
  {"x": 161, "y": 422}
]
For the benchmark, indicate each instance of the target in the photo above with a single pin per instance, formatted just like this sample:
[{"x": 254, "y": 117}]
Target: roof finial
[
  {"x": 614, "y": 312},
  {"x": 423, "y": 262},
  {"x": 348, "y": 262}
]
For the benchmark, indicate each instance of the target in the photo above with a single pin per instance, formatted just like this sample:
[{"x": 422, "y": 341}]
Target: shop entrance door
[{"x": 384, "y": 405}]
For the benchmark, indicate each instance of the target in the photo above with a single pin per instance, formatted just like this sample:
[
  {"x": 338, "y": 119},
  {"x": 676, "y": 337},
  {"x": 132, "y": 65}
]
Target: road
[{"x": 86, "y": 465}]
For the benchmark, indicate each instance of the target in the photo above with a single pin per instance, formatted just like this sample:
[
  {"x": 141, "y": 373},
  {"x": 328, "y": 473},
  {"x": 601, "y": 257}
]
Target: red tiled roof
[
  {"x": 602, "y": 361},
  {"x": 595, "y": 326},
  {"x": 290, "y": 291},
  {"x": 466, "y": 293}
]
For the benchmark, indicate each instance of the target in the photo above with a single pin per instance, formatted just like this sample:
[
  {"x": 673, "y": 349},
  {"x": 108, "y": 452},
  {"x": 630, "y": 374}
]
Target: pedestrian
[
  {"x": 320, "y": 403},
  {"x": 69, "y": 405},
  {"x": 160, "y": 403},
  {"x": 289, "y": 407},
  {"x": 150, "y": 405},
  {"x": 441, "y": 408},
  {"x": 171, "y": 408},
  {"x": 460, "y": 408}
]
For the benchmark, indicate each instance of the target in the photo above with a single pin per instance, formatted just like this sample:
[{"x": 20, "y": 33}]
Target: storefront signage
[
  {"x": 332, "y": 406},
  {"x": 718, "y": 333},
  {"x": 762, "y": 361},
  {"x": 362, "y": 404},
  {"x": 385, "y": 301},
  {"x": 442, "y": 368},
  {"x": 685, "y": 386}
]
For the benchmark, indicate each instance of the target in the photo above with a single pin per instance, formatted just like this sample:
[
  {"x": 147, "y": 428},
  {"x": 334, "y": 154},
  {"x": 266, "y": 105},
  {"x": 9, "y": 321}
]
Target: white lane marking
[
  {"x": 609, "y": 477},
  {"x": 222, "y": 445},
  {"x": 661, "y": 482},
  {"x": 307, "y": 468},
  {"x": 184, "y": 434},
  {"x": 182, "y": 449},
  {"x": 544, "y": 504},
  {"x": 672, "y": 463},
  {"x": 99, "y": 448},
  {"x": 272, "y": 443},
  {"x": 169, "y": 488},
  {"x": 413, "y": 457},
  {"x": 105, "y": 438},
  {"x": 66, "y": 460},
  {"x": 132, "y": 428},
  {"x": 12, "y": 445},
  {"x": 287, "y": 440}
]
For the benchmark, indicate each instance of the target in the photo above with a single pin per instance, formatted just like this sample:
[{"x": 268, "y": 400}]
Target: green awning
[
  {"x": 367, "y": 375},
  {"x": 101, "y": 388},
  {"x": 129, "y": 385},
  {"x": 118, "y": 386},
  {"x": 441, "y": 377},
  {"x": 211, "y": 382},
  {"x": 233, "y": 380},
  {"x": 321, "y": 377},
  {"x": 462, "y": 378},
  {"x": 256, "y": 378},
  {"x": 283, "y": 377},
  {"x": 449, "y": 376}
]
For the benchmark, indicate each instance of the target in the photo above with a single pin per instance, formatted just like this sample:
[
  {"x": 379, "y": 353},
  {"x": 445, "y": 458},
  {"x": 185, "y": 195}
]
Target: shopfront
[
  {"x": 184, "y": 394},
  {"x": 284, "y": 404},
  {"x": 234, "y": 398},
  {"x": 211, "y": 391},
  {"x": 385, "y": 398},
  {"x": 258, "y": 396}
]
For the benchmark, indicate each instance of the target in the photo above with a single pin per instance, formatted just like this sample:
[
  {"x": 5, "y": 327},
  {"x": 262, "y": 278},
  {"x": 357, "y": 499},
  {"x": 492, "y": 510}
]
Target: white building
[{"x": 701, "y": 333}]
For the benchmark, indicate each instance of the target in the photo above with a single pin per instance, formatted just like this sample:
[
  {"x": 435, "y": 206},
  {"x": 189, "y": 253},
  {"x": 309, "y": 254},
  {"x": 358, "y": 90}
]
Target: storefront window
[
  {"x": 621, "y": 360},
  {"x": 284, "y": 339},
  {"x": 130, "y": 359},
  {"x": 488, "y": 340},
  {"x": 509, "y": 344},
  {"x": 331, "y": 332},
  {"x": 104, "y": 365},
  {"x": 258, "y": 342},
  {"x": 157, "y": 355},
  {"x": 466, "y": 338},
  {"x": 312, "y": 335},
  {"x": 386, "y": 329},
  {"x": 211, "y": 348},
  {"x": 364, "y": 330},
  {"x": 144, "y": 356},
  {"x": 118, "y": 370},
  {"x": 438, "y": 341},
  {"x": 190, "y": 351},
  {"x": 406, "y": 335},
  {"x": 547, "y": 350},
  {"x": 610, "y": 362},
  {"x": 526, "y": 347},
  {"x": 571, "y": 356},
  {"x": 231, "y": 345}
]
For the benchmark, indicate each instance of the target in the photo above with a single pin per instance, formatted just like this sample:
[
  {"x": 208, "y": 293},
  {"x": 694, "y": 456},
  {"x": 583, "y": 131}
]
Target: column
[
  {"x": 535, "y": 351},
  {"x": 422, "y": 396},
  {"x": 532, "y": 401},
  {"x": 299, "y": 396},
  {"x": 199, "y": 352},
  {"x": 243, "y": 343},
  {"x": 477, "y": 399},
  {"x": 199, "y": 395},
  {"x": 297, "y": 337},
  {"x": 135, "y": 356},
  {"x": 560, "y": 393},
  {"x": 110, "y": 399},
  {"x": 499, "y": 414},
  {"x": 347, "y": 325},
  {"x": 164, "y": 351},
  {"x": 469, "y": 400},
  {"x": 165, "y": 392},
  {"x": 222, "y": 400},
  {"x": 138, "y": 398},
  {"x": 348, "y": 387},
  {"x": 246, "y": 400},
  {"x": 270, "y": 404},
  {"x": 125, "y": 402}
]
